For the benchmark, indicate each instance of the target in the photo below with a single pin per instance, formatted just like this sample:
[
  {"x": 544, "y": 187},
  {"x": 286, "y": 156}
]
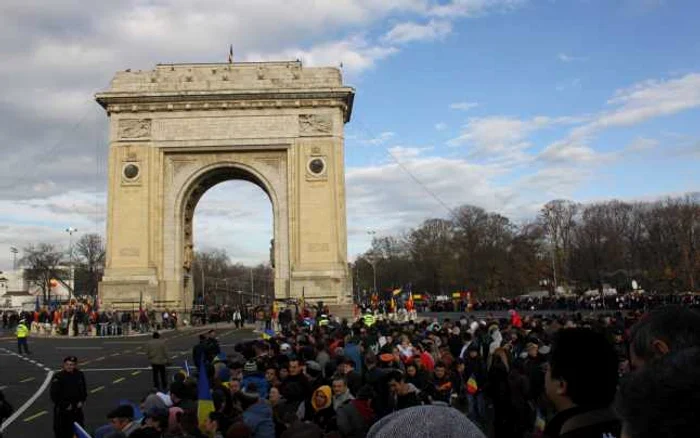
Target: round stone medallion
[
  {"x": 131, "y": 171},
  {"x": 317, "y": 166}
]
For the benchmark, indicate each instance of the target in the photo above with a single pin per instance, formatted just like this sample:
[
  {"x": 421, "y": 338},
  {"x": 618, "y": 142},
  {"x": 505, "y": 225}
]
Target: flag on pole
[
  {"x": 187, "y": 368},
  {"x": 79, "y": 431},
  {"x": 205, "y": 403},
  {"x": 230, "y": 54}
]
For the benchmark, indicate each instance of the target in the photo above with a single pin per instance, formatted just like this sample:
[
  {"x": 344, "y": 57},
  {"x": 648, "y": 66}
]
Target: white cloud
[
  {"x": 403, "y": 33},
  {"x": 440, "y": 126},
  {"x": 503, "y": 138},
  {"x": 473, "y": 8},
  {"x": 355, "y": 54},
  {"x": 563, "y": 57},
  {"x": 644, "y": 101},
  {"x": 463, "y": 106},
  {"x": 382, "y": 138},
  {"x": 571, "y": 153}
]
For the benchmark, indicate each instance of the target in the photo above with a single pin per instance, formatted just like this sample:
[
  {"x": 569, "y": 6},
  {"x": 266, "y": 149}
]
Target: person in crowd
[
  {"x": 425, "y": 421},
  {"x": 441, "y": 388},
  {"x": 157, "y": 354},
  {"x": 122, "y": 421},
  {"x": 581, "y": 381},
  {"x": 213, "y": 425},
  {"x": 355, "y": 417},
  {"x": 666, "y": 329},
  {"x": 402, "y": 395},
  {"x": 475, "y": 379},
  {"x": 499, "y": 391},
  {"x": 68, "y": 393},
  {"x": 323, "y": 412},
  {"x": 257, "y": 414},
  {"x": 155, "y": 424},
  {"x": 252, "y": 374},
  {"x": 22, "y": 332},
  {"x": 661, "y": 400},
  {"x": 341, "y": 393},
  {"x": 351, "y": 375},
  {"x": 295, "y": 388}
]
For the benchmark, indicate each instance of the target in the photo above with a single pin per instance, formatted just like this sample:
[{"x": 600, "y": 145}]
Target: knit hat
[
  {"x": 425, "y": 422},
  {"x": 250, "y": 367}
]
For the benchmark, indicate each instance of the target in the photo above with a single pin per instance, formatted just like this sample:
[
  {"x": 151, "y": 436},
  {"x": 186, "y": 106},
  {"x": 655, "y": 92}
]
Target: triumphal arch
[{"x": 179, "y": 129}]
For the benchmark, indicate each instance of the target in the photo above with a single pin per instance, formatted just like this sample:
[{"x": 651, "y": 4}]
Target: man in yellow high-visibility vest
[
  {"x": 369, "y": 319},
  {"x": 22, "y": 335}
]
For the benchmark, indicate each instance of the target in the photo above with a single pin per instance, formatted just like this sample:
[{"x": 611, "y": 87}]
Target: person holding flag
[{"x": 205, "y": 402}]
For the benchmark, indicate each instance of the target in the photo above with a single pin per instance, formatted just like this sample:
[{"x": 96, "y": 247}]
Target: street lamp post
[
  {"x": 70, "y": 231},
  {"x": 14, "y": 252},
  {"x": 373, "y": 261}
]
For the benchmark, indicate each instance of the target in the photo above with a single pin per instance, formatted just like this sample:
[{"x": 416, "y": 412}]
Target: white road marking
[
  {"x": 129, "y": 369},
  {"x": 78, "y": 348},
  {"x": 29, "y": 402}
]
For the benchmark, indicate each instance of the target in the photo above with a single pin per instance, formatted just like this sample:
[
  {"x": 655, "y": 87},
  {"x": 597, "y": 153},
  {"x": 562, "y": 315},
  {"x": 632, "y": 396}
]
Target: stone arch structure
[{"x": 178, "y": 130}]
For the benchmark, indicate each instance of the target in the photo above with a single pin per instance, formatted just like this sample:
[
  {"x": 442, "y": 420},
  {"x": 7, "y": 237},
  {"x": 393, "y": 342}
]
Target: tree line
[
  {"x": 569, "y": 245},
  {"x": 219, "y": 281},
  {"x": 45, "y": 262},
  {"x": 214, "y": 276}
]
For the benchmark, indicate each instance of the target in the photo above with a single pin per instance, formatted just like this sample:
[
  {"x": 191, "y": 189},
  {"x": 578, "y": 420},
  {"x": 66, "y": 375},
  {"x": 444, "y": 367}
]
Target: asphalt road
[{"x": 115, "y": 369}]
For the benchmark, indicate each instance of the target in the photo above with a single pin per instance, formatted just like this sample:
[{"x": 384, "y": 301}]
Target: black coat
[{"x": 68, "y": 389}]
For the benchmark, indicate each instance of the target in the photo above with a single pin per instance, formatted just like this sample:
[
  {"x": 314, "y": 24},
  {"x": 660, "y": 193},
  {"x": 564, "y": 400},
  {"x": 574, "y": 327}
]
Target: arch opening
[{"x": 228, "y": 238}]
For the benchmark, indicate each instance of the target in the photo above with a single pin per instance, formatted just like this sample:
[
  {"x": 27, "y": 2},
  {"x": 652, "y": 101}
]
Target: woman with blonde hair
[{"x": 324, "y": 415}]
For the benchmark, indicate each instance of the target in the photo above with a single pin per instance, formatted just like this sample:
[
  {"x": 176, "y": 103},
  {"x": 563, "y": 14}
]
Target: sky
[{"x": 503, "y": 104}]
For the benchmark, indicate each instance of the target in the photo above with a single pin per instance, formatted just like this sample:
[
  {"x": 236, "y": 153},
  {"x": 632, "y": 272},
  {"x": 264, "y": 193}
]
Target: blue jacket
[
  {"x": 260, "y": 382},
  {"x": 352, "y": 351},
  {"x": 258, "y": 418}
]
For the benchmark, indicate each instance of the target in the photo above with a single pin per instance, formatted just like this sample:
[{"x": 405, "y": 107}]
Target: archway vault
[{"x": 178, "y": 130}]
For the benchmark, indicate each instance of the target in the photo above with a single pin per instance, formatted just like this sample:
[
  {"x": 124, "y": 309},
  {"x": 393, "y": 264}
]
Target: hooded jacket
[{"x": 258, "y": 417}]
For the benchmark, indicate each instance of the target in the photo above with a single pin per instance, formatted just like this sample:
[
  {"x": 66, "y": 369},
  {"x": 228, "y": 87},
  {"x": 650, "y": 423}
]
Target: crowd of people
[
  {"x": 602, "y": 375},
  {"x": 81, "y": 319},
  {"x": 566, "y": 303}
]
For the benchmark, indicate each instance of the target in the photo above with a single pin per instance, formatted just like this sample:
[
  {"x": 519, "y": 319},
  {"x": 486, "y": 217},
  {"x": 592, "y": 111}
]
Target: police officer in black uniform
[{"x": 68, "y": 393}]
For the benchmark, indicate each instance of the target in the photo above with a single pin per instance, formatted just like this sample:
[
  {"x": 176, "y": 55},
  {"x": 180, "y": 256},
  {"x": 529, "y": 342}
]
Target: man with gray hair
[{"x": 664, "y": 330}]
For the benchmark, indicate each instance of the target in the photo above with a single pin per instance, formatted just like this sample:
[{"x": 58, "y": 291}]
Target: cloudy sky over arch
[{"x": 503, "y": 104}]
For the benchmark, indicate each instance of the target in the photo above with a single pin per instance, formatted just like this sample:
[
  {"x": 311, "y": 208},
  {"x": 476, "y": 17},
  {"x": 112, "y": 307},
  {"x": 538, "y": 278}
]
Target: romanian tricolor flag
[
  {"x": 472, "y": 386},
  {"x": 205, "y": 404}
]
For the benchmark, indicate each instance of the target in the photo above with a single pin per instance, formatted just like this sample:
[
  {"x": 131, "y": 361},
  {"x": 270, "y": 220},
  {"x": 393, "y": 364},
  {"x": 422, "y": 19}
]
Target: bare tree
[
  {"x": 43, "y": 263},
  {"x": 90, "y": 254},
  {"x": 558, "y": 219}
]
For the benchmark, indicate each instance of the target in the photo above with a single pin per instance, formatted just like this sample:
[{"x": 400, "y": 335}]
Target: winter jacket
[
  {"x": 475, "y": 367},
  {"x": 339, "y": 400},
  {"x": 258, "y": 418},
  {"x": 156, "y": 352},
  {"x": 260, "y": 382},
  {"x": 580, "y": 422},
  {"x": 411, "y": 398},
  {"x": 355, "y": 417}
]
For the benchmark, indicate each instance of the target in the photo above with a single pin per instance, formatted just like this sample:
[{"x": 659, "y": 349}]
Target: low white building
[{"x": 18, "y": 294}]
